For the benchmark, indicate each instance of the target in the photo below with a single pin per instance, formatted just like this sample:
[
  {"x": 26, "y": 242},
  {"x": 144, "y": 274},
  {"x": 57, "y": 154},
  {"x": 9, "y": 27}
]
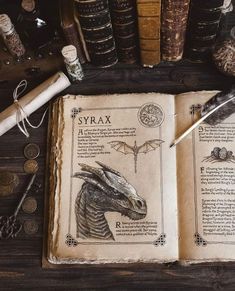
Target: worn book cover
[
  {"x": 173, "y": 28},
  {"x": 95, "y": 23},
  {"x": 119, "y": 194},
  {"x": 203, "y": 28},
  {"x": 149, "y": 23},
  {"x": 125, "y": 26}
]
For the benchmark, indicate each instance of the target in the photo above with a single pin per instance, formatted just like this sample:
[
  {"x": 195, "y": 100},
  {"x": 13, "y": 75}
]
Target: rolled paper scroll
[{"x": 33, "y": 100}]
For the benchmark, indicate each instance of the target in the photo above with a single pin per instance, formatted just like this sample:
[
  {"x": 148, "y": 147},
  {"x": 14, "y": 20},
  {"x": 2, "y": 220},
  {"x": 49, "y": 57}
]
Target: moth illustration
[{"x": 124, "y": 148}]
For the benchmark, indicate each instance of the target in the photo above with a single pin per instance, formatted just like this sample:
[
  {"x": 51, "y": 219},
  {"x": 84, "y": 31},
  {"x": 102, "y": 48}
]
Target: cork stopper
[
  {"x": 69, "y": 53},
  {"x": 5, "y": 23},
  {"x": 28, "y": 5}
]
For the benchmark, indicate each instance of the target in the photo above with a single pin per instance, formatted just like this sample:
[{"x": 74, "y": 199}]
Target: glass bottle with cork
[
  {"x": 72, "y": 63},
  {"x": 35, "y": 29},
  {"x": 11, "y": 37}
]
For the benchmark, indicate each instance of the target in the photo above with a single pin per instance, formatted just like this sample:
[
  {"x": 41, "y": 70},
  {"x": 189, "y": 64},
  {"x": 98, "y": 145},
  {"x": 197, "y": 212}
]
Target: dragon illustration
[
  {"x": 104, "y": 190},
  {"x": 148, "y": 146}
]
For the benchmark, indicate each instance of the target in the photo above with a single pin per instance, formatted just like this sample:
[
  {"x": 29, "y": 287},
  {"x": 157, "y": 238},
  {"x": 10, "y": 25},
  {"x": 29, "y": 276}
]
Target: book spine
[
  {"x": 70, "y": 29},
  {"x": 124, "y": 20},
  {"x": 71, "y": 36},
  {"x": 204, "y": 23},
  {"x": 94, "y": 18},
  {"x": 149, "y": 22},
  {"x": 81, "y": 37},
  {"x": 174, "y": 23}
]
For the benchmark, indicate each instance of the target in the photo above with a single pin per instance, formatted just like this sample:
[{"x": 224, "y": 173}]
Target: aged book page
[
  {"x": 206, "y": 184},
  {"x": 113, "y": 180}
]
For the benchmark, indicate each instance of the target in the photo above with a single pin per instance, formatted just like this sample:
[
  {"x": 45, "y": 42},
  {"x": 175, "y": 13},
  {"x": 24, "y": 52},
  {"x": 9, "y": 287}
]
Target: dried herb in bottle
[
  {"x": 72, "y": 63},
  {"x": 11, "y": 37}
]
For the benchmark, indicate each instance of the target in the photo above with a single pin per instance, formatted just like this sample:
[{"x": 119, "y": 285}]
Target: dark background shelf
[{"x": 20, "y": 258}]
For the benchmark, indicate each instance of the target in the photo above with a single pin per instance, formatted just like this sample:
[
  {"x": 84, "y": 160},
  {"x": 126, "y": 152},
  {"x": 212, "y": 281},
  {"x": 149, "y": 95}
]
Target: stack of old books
[{"x": 149, "y": 31}]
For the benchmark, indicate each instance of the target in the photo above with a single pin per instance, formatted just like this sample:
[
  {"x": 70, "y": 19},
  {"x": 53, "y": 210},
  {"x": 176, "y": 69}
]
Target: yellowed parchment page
[
  {"x": 117, "y": 199},
  {"x": 206, "y": 184}
]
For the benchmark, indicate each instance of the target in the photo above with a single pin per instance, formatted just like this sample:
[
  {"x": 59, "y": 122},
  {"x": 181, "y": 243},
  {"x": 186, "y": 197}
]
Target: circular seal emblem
[{"x": 151, "y": 115}]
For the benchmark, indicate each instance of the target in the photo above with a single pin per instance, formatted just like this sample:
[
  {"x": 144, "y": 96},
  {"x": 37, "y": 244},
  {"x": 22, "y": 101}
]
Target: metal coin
[
  {"x": 30, "y": 227},
  {"x": 6, "y": 190},
  {"x": 6, "y": 178},
  {"x": 30, "y": 205},
  {"x": 31, "y": 151},
  {"x": 30, "y": 166}
]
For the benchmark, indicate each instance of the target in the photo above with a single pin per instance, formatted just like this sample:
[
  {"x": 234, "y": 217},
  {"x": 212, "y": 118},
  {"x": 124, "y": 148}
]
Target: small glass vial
[
  {"x": 11, "y": 37},
  {"x": 72, "y": 63}
]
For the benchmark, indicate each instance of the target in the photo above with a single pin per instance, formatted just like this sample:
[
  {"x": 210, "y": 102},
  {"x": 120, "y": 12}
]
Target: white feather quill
[{"x": 189, "y": 130}]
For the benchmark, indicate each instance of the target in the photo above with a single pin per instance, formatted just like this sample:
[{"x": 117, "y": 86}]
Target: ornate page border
[
  {"x": 70, "y": 241},
  {"x": 198, "y": 238}
]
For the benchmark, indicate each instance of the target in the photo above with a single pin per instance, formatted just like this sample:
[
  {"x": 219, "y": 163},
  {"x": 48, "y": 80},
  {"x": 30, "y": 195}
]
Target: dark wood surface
[{"x": 20, "y": 258}]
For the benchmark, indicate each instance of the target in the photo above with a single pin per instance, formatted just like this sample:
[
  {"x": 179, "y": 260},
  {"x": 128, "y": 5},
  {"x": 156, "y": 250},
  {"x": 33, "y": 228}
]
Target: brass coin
[
  {"x": 30, "y": 166},
  {"x": 6, "y": 178},
  {"x": 30, "y": 205},
  {"x": 30, "y": 227},
  {"x": 31, "y": 151},
  {"x": 6, "y": 190}
]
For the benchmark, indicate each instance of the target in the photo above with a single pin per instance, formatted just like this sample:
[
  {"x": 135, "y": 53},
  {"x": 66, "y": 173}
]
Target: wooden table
[{"x": 20, "y": 258}]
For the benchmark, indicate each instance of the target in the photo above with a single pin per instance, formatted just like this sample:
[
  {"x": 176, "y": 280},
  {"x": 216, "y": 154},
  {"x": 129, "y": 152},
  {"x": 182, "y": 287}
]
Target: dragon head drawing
[{"x": 105, "y": 190}]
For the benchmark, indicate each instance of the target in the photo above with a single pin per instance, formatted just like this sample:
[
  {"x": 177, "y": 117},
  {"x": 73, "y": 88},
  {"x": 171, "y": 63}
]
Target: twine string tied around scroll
[{"x": 21, "y": 115}]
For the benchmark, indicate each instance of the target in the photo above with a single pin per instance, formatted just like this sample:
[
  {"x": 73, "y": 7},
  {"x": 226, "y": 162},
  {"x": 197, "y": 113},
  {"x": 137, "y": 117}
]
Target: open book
[{"x": 119, "y": 193}]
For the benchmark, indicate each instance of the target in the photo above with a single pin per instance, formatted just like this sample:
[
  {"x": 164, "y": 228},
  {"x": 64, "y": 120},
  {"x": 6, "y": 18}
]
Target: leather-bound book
[
  {"x": 69, "y": 27},
  {"x": 95, "y": 21},
  {"x": 204, "y": 23},
  {"x": 124, "y": 20},
  {"x": 149, "y": 21},
  {"x": 173, "y": 28}
]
